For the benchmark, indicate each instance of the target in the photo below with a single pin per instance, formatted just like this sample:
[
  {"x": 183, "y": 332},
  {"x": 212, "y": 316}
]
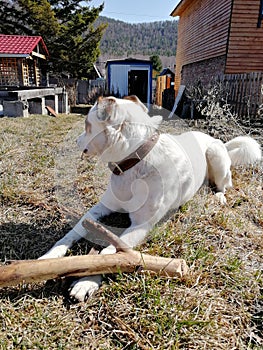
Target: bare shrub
[{"x": 213, "y": 106}]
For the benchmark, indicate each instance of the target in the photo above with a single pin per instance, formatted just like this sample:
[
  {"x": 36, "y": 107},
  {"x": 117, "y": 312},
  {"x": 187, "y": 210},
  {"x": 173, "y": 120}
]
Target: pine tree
[
  {"x": 157, "y": 63},
  {"x": 67, "y": 27}
]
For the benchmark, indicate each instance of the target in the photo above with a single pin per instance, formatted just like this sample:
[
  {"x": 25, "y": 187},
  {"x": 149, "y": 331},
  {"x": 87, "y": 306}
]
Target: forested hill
[{"x": 126, "y": 39}]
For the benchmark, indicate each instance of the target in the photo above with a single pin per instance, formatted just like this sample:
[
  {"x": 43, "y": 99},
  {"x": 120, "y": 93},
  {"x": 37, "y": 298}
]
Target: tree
[
  {"x": 157, "y": 63},
  {"x": 67, "y": 27}
]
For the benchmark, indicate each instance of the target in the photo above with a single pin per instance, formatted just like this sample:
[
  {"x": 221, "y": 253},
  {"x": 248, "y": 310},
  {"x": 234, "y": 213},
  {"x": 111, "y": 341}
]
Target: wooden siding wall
[
  {"x": 245, "y": 49},
  {"x": 202, "y": 33}
]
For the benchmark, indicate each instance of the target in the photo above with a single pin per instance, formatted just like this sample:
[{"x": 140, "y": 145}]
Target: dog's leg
[
  {"x": 87, "y": 286},
  {"x": 142, "y": 221},
  {"x": 219, "y": 171},
  {"x": 78, "y": 232}
]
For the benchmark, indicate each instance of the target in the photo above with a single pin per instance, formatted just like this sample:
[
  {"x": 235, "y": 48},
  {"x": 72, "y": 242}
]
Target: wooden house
[
  {"x": 219, "y": 38},
  {"x": 22, "y": 60},
  {"x": 130, "y": 76}
]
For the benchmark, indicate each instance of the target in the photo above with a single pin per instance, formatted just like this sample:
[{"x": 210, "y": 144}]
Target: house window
[
  {"x": 260, "y": 16},
  {"x": 8, "y": 71}
]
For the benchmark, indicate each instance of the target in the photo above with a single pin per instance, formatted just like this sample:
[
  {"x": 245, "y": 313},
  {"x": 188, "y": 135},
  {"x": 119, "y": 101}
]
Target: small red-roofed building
[
  {"x": 24, "y": 88},
  {"x": 22, "y": 60}
]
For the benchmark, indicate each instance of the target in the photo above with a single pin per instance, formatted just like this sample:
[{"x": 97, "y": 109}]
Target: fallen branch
[
  {"x": 102, "y": 233},
  {"x": 125, "y": 260}
]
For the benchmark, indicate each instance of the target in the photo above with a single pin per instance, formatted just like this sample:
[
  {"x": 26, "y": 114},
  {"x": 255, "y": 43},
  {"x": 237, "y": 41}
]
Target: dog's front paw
[
  {"x": 221, "y": 198},
  {"x": 86, "y": 286},
  {"x": 55, "y": 252}
]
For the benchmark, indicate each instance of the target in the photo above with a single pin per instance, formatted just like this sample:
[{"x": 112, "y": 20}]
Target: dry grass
[{"x": 218, "y": 306}]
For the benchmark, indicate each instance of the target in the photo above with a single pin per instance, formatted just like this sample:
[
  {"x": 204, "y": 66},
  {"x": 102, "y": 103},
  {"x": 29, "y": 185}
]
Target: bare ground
[{"x": 218, "y": 306}]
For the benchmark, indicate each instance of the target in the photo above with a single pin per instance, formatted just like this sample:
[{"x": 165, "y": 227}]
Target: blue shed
[{"x": 130, "y": 76}]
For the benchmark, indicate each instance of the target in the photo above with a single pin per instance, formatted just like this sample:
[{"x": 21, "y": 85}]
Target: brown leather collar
[{"x": 135, "y": 157}]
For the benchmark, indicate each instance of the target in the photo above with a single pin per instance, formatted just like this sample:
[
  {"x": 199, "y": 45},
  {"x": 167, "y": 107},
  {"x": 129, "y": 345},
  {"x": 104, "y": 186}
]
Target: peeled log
[{"x": 38, "y": 270}]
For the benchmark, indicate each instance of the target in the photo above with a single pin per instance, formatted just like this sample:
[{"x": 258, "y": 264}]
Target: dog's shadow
[
  {"x": 22, "y": 241},
  {"x": 26, "y": 241}
]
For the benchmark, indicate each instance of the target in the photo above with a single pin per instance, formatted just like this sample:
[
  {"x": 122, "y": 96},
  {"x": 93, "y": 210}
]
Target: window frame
[{"x": 260, "y": 16}]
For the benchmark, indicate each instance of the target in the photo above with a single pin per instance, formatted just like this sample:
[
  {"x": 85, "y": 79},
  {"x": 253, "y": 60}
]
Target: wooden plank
[
  {"x": 254, "y": 92},
  {"x": 51, "y": 111},
  {"x": 243, "y": 102},
  {"x": 239, "y": 95},
  {"x": 177, "y": 100},
  {"x": 242, "y": 32},
  {"x": 258, "y": 45}
]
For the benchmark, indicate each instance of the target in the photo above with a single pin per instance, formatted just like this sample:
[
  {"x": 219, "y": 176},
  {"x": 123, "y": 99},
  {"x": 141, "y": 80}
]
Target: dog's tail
[{"x": 243, "y": 150}]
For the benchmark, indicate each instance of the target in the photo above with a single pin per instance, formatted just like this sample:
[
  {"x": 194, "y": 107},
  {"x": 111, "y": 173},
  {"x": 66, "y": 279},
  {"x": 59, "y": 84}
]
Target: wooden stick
[
  {"x": 38, "y": 270},
  {"x": 104, "y": 234},
  {"x": 125, "y": 260}
]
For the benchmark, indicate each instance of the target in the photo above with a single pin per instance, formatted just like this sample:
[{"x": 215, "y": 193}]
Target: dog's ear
[
  {"x": 105, "y": 107},
  {"x": 136, "y": 100},
  {"x": 132, "y": 98}
]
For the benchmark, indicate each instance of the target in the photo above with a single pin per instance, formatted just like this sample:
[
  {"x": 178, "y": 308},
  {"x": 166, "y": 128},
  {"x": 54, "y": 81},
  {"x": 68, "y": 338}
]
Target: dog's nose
[{"x": 84, "y": 152}]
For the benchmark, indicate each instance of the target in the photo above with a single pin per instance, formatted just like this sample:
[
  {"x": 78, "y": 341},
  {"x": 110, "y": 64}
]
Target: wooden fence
[
  {"x": 245, "y": 92},
  {"x": 89, "y": 90},
  {"x": 165, "y": 94},
  {"x": 80, "y": 91},
  {"x": 161, "y": 85}
]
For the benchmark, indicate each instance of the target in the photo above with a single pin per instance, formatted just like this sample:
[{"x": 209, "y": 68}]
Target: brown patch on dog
[
  {"x": 132, "y": 98},
  {"x": 100, "y": 99},
  {"x": 136, "y": 100},
  {"x": 105, "y": 107},
  {"x": 88, "y": 126}
]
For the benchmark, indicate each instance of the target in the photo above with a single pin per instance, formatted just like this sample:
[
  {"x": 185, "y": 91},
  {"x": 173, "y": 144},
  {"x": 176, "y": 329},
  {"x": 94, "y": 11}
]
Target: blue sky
[{"x": 137, "y": 11}]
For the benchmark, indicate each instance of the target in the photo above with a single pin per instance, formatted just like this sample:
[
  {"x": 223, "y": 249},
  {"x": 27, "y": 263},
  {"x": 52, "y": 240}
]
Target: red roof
[{"x": 19, "y": 44}]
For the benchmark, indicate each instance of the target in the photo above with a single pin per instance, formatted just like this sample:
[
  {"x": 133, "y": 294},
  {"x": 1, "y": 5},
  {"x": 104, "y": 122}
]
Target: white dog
[{"x": 152, "y": 172}]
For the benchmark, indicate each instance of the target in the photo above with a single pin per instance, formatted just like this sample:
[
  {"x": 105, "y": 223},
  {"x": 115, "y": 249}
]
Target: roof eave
[
  {"x": 44, "y": 47},
  {"x": 129, "y": 59},
  {"x": 180, "y": 8},
  {"x": 39, "y": 55},
  {"x": 15, "y": 55}
]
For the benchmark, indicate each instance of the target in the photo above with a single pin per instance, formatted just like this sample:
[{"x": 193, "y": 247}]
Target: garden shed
[
  {"x": 130, "y": 76},
  {"x": 23, "y": 85},
  {"x": 22, "y": 60},
  {"x": 221, "y": 38}
]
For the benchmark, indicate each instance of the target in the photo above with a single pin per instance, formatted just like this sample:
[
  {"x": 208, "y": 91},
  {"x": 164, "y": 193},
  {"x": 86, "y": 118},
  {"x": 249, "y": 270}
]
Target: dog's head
[{"x": 116, "y": 127}]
